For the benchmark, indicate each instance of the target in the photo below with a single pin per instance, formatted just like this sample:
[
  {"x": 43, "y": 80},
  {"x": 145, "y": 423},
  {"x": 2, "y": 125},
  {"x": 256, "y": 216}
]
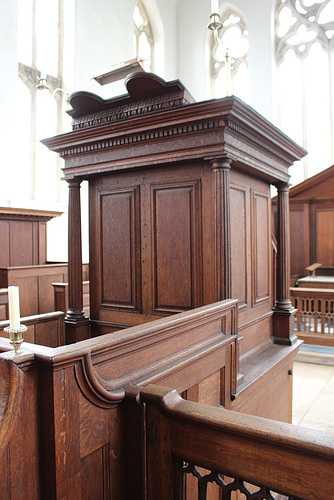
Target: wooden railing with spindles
[{"x": 315, "y": 315}]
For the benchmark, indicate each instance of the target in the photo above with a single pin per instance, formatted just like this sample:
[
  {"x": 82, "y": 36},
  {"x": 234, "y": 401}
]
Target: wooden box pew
[
  {"x": 78, "y": 421},
  {"x": 183, "y": 437},
  {"x": 44, "y": 329},
  {"x": 35, "y": 282},
  {"x": 89, "y": 431}
]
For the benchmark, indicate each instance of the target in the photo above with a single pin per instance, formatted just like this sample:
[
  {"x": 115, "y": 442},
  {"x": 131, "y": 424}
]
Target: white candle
[
  {"x": 214, "y": 6},
  {"x": 14, "y": 307}
]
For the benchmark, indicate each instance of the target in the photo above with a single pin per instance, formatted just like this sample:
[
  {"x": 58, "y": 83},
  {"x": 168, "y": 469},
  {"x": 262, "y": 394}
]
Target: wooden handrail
[{"x": 183, "y": 436}]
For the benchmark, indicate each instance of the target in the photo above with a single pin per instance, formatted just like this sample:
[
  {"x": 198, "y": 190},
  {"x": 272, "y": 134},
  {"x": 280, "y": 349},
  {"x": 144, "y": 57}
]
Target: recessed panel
[
  {"x": 95, "y": 475},
  {"x": 176, "y": 247},
  {"x": 325, "y": 237},
  {"x": 260, "y": 248},
  {"x": 4, "y": 244},
  {"x": 119, "y": 249},
  {"x": 21, "y": 244},
  {"x": 239, "y": 245}
]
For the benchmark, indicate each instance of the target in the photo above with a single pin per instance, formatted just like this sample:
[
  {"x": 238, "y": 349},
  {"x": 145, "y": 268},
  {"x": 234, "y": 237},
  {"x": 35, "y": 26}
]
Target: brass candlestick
[{"x": 16, "y": 337}]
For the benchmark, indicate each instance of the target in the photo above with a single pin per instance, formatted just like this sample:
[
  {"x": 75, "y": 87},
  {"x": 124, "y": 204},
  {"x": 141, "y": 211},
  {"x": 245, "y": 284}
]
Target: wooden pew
[
  {"x": 183, "y": 437},
  {"x": 44, "y": 329},
  {"x": 75, "y": 421},
  {"x": 89, "y": 431},
  {"x": 35, "y": 282}
]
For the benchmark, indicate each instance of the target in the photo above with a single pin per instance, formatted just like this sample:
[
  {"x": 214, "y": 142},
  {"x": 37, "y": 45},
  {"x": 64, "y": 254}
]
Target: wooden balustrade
[
  {"x": 315, "y": 315},
  {"x": 235, "y": 450}
]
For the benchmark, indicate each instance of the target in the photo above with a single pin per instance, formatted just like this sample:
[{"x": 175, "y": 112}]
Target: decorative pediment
[{"x": 147, "y": 93}]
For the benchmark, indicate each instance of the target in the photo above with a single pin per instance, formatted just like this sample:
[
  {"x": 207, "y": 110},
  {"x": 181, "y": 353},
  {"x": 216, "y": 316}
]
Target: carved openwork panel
[{"x": 225, "y": 487}]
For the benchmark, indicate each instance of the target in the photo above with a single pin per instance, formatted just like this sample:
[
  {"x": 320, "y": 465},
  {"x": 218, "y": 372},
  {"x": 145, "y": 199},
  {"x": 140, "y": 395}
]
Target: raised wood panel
[
  {"x": 95, "y": 475},
  {"x": 210, "y": 390},
  {"x": 176, "y": 247},
  {"x": 260, "y": 248},
  {"x": 46, "y": 294},
  {"x": 43, "y": 329},
  {"x": 120, "y": 256},
  {"x": 49, "y": 334},
  {"x": 299, "y": 239},
  {"x": 4, "y": 244},
  {"x": 325, "y": 237},
  {"x": 28, "y": 294},
  {"x": 42, "y": 243},
  {"x": 239, "y": 244},
  {"x": 3, "y": 312},
  {"x": 275, "y": 403},
  {"x": 21, "y": 244}
]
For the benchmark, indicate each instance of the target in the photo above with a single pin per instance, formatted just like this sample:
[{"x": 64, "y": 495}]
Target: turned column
[
  {"x": 283, "y": 310},
  {"x": 221, "y": 168},
  {"x": 76, "y": 322}
]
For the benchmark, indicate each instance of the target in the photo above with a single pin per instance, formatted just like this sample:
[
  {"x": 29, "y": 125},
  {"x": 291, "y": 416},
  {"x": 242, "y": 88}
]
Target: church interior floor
[{"x": 313, "y": 395}]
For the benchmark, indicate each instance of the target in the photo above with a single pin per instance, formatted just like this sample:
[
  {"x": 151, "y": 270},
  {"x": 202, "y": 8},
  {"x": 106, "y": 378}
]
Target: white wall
[
  {"x": 98, "y": 35},
  {"x": 193, "y": 65}
]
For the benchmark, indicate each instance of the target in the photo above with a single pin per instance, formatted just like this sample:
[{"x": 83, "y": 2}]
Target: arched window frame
[
  {"x": 308, "y": 16},
  {"x": 145, "y": 29},
  {"x": 234, "y": 63},
  {"x": 29, "y": 75}
]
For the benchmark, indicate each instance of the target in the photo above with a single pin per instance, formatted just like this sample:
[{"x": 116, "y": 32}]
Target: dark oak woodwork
[
  {"x": 61, "y": 297},
  {"x": 85, "y": 421},
  {"x": 23, "y": 236},
  {"x": 311, "y": 224},
  {"x": 180, "y": 210},
  {"x": 4, "y": 312},
  {"x": 245, "y": 449},
  {"x": 284, "y": 312},
  {"x": 43, "y": 329},
  {"x": 90, "y": 424},
  {"x": 35, "y": 282}
]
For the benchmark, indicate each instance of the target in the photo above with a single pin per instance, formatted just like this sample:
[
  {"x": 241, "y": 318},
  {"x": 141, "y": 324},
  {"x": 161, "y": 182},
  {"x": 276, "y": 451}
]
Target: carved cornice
[
  {"x": 32, "y": 218},
  {"x": 139, "y": 137}
]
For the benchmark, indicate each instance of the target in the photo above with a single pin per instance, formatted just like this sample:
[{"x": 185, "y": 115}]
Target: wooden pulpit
[{"x": 180, "y": 217}]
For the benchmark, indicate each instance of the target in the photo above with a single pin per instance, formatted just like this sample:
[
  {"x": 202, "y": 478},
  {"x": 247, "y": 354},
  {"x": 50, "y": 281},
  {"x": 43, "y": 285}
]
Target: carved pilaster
[
  {"x": 221, "y": 168},
  {"x": 283, "y": 310},
  {"x": 76, "y": 322}
]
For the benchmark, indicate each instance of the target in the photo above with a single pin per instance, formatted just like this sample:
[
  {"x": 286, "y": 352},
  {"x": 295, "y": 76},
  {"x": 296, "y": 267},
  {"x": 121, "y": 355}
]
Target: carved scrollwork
[{"x": 91, "y": 386}]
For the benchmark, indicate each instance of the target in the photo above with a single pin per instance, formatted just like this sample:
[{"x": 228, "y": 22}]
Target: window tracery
[
  {"x": 229, "y": 58},
  {"x": 305, "y": 63},
  {"x": 143, "y": 36},
  {"x": 39, "y": 54}
]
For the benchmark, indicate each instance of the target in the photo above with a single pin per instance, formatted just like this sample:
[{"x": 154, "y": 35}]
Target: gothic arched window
[
  {"x": 40, "y": 26},
  {"x": 305, "y": 64},
  {"x": 229, "y": 67},
  {"x": 143, "y": 36}
]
